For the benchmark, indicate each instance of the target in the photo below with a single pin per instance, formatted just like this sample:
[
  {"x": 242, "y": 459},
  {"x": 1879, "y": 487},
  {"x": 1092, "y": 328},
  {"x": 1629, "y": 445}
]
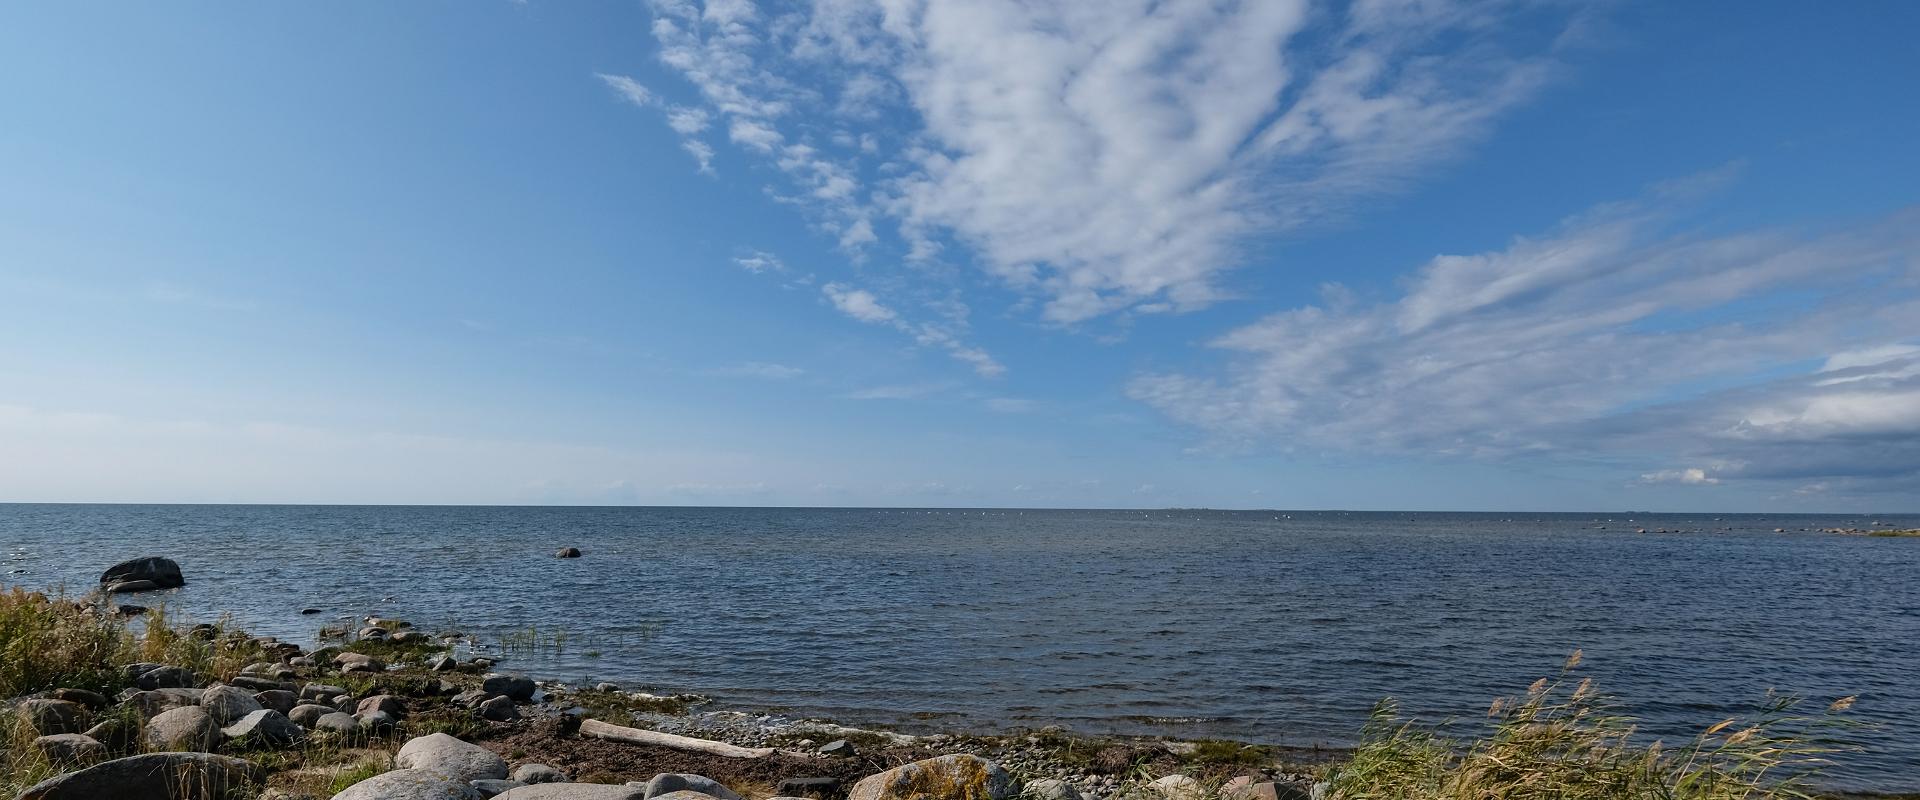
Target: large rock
[
  {"x": 442, "y": 754},
  {"x": 71, "y": 748},
  {"x": 573, "y": 791},
  {"x": 954, "y": 777},
  {"x": 667, "y": 783},
  {"x": 279, "y": 700},
  {"x": 1052, "y": 789},
  {"x": 154, "y": 776},
  {"x": 157, "y": 700},
  {"x": 228, "y": 703},
  {"x": 120, "y": 735},
  {"x": 394, "y": 706},
  {"x": 539, "y": 773},
  {"x": 265, "y": 727},
  {"x": 166, "y": 677},
  {"x": 305, "y": 714},
  {"x": 358, "y": 662},
  {"x": 49, "y": 717},
  {"x": 499, "y": 708},
  {"x": 519, "y": 688},
  {"x": 409, "y": 784},
  {"x": 338, "y": 723},
  {"x": 492, "y": 788},
  {"x": 163, "y": 573},
  {"x": 185, "y": 729},
  {"x": 93, "y": 700}
]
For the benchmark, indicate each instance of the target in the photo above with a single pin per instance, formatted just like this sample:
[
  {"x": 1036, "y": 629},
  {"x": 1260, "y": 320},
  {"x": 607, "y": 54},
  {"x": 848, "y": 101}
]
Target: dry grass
[
  {"x": 1567, "y": 742},
  {"x": 52, "y": 642}
]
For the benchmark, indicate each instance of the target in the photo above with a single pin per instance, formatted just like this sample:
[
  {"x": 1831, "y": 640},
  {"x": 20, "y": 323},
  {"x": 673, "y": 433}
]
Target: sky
[{"x": 1389, "y": 254}]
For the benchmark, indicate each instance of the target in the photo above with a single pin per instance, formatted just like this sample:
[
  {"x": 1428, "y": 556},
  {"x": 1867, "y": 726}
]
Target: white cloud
[
  {"x": 1691, "y": 476},
  {"x": 864, "y": 306},
  {"x": 909, "y": 391},
  {"x": 859, "y": 304},
  {"x": 683, "y": 120},
  {"x": 627, "y": 88},
  {"x": 1608, "y": 337},
  {"x": 760, "y": 261},
  {"x": 1100, "y": 157}
]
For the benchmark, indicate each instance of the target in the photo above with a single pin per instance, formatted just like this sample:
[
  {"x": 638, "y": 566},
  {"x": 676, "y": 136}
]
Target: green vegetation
[
  {"x": 51, "y": 642},
  {"x": 1567, "y": 743}
]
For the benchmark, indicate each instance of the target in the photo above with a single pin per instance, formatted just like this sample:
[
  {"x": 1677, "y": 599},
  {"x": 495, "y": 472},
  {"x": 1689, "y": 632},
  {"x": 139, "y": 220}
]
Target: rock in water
[
  {"x": 188, "y": 728},
  {"x": 667, "y": 783},
  {"x": 567, "y": 552},
  {"x": 154, "y": 776},
  {"x": 163, "y": 573},
  {"x": 409, "y": 784},
  {"x": 441, "y": 754},
  {"x": 954, "y": 777}
]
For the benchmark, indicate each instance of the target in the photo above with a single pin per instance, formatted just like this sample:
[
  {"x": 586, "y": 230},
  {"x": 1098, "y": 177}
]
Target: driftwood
[{"x": 602, "y": 730}]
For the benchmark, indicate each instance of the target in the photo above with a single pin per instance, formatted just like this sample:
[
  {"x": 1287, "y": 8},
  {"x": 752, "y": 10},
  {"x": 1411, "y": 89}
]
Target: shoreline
[{"x": 417, "y": 687}]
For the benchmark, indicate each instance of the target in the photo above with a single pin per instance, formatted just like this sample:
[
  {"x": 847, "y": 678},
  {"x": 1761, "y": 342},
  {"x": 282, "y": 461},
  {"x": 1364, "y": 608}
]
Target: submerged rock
[
  {"x": 154, "y": 776},
  {"x": 162, "y": 573},
  {"x": 567, "y": 552}
]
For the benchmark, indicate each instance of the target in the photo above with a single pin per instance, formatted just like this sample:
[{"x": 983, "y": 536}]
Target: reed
[{"x": 1562, "y": 740}]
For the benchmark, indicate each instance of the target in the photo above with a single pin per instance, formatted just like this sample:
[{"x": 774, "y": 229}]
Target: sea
[{"x": 1278, "y": 627}]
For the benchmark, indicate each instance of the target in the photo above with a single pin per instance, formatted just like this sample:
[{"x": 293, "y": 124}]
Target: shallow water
[{"x": 1265, "y": 626}]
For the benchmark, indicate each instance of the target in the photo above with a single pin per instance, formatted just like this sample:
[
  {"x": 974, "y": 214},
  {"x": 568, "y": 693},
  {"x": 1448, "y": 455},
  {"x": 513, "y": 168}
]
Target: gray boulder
[
  {"x": 186, "y": 729},
  {"x": 49, "y": 717},
  {"x": 93, "y": 700},
  {"x": 567, "y": 552},
  {"x": 320, "y": 692},
  {"x": 514, "y": 686},
  {"x": 539, "y": 773},
  {"x": 129, "y": 587},
  {"x": 1052, "y": 789},
  {"x": 305, "y": 714},
  {"x": 490, "y": 787},
  {"x": 838, "y": 748},
  {"x": 409, "y": 784},
  {"x": 359, "y": 662},
  {"x": 265, "y": 727},
  {"x": 163, "y": 573},
  {"x": 167, "y": 677},
  {"x": 684, "y": 794},
  {"x": 153, "y": 776},
  {"x": 227, "y": 703},
  {"x": 155, "y": 701},
  {"x": 338, "y": 723},
  {"x": 667, "y": 783},
  {"x": 951, "y": 777},
  {"x": 70, "y": 748},
  {"x": 120, "y": 735},
  {"x": 445, "y": 755},
  {"x": 499, "y": 708},
  {"x": 279, "y": 700},
  {"x": 382, "y": 702},
  {"x": 580, "y": 791}
]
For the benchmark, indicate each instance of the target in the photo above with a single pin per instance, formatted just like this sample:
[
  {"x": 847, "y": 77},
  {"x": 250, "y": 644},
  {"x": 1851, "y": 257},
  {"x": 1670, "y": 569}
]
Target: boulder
[
  {"x": 1245, "y": 788},
  {"x": 382, "y": 702},
  {"x": 49, "y": 716},
  {"x": 951, "y": 777},
  {"x": 838, "y": 748},
  {"x": 119, "y": 734},
  {"x": 409, "y": 784},
  {"x": 539, "y": 773},
  {"x": 444, "y": 755},
  {"x": 492, "y": 788},
  {"x": 65, "y": 749},
  {"x": 1178, "y": 787},
  {"x": 567, "y": 552},
  {"x": 518, "y": 687},
  {"x": 167, "y": 677},
  {"x": 279, "y": 700},
  {"x": 376, "y": 724},
  {"x": 265, "y": 727},
  {"x": 163, "y": 573},
  {"x": 359, "y": 662},
  {"x": 444, "y": 664},
  {"x": 153, "y": 776},
  {"x": 498, "y": 708},
  {"x": 338, "y": 723},
  {"x": 305, "y": 714},
  {"x": 814, "y": 787},
  {"x": 184, "y": 729},
  {"x": 667, "y": 783},
  {"x": 260, "y": 683},
  {"x": 320, "y": 692},
  {"x": 1052, "y": 789},
  {"x": 129, "y": 587},
  {"x": 228, "y": 703},
  {"x": 683, "y": 794},
  {"x": 155, "y": 701},
  {"x": 93, "y": 700},
  {"x": 581, "y": 791}
]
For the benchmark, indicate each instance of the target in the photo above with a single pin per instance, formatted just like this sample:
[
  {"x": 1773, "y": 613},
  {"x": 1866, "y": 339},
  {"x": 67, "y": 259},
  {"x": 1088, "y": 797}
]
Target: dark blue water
[{"x": 1264, "y": 626}]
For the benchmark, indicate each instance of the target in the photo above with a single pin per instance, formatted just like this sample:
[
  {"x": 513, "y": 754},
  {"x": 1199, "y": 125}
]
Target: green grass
[
  {"x": 1566, "y": 742},
  {"x": 52, "y": 642}
]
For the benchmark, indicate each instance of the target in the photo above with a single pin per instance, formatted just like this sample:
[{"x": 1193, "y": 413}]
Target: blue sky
[{"x": 1408, "y": 254}]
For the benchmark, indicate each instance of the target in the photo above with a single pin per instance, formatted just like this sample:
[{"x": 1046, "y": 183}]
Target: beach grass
[{"x": 1565, "y": 741}]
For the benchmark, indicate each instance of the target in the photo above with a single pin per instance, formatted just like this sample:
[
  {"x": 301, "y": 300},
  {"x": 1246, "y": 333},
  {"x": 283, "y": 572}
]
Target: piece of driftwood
[{"x": 602, "y": 730}]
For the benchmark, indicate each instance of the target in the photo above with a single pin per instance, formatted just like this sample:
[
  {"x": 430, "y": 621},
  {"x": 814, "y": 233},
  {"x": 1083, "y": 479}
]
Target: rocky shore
[{"x": 387, "y": 712}]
